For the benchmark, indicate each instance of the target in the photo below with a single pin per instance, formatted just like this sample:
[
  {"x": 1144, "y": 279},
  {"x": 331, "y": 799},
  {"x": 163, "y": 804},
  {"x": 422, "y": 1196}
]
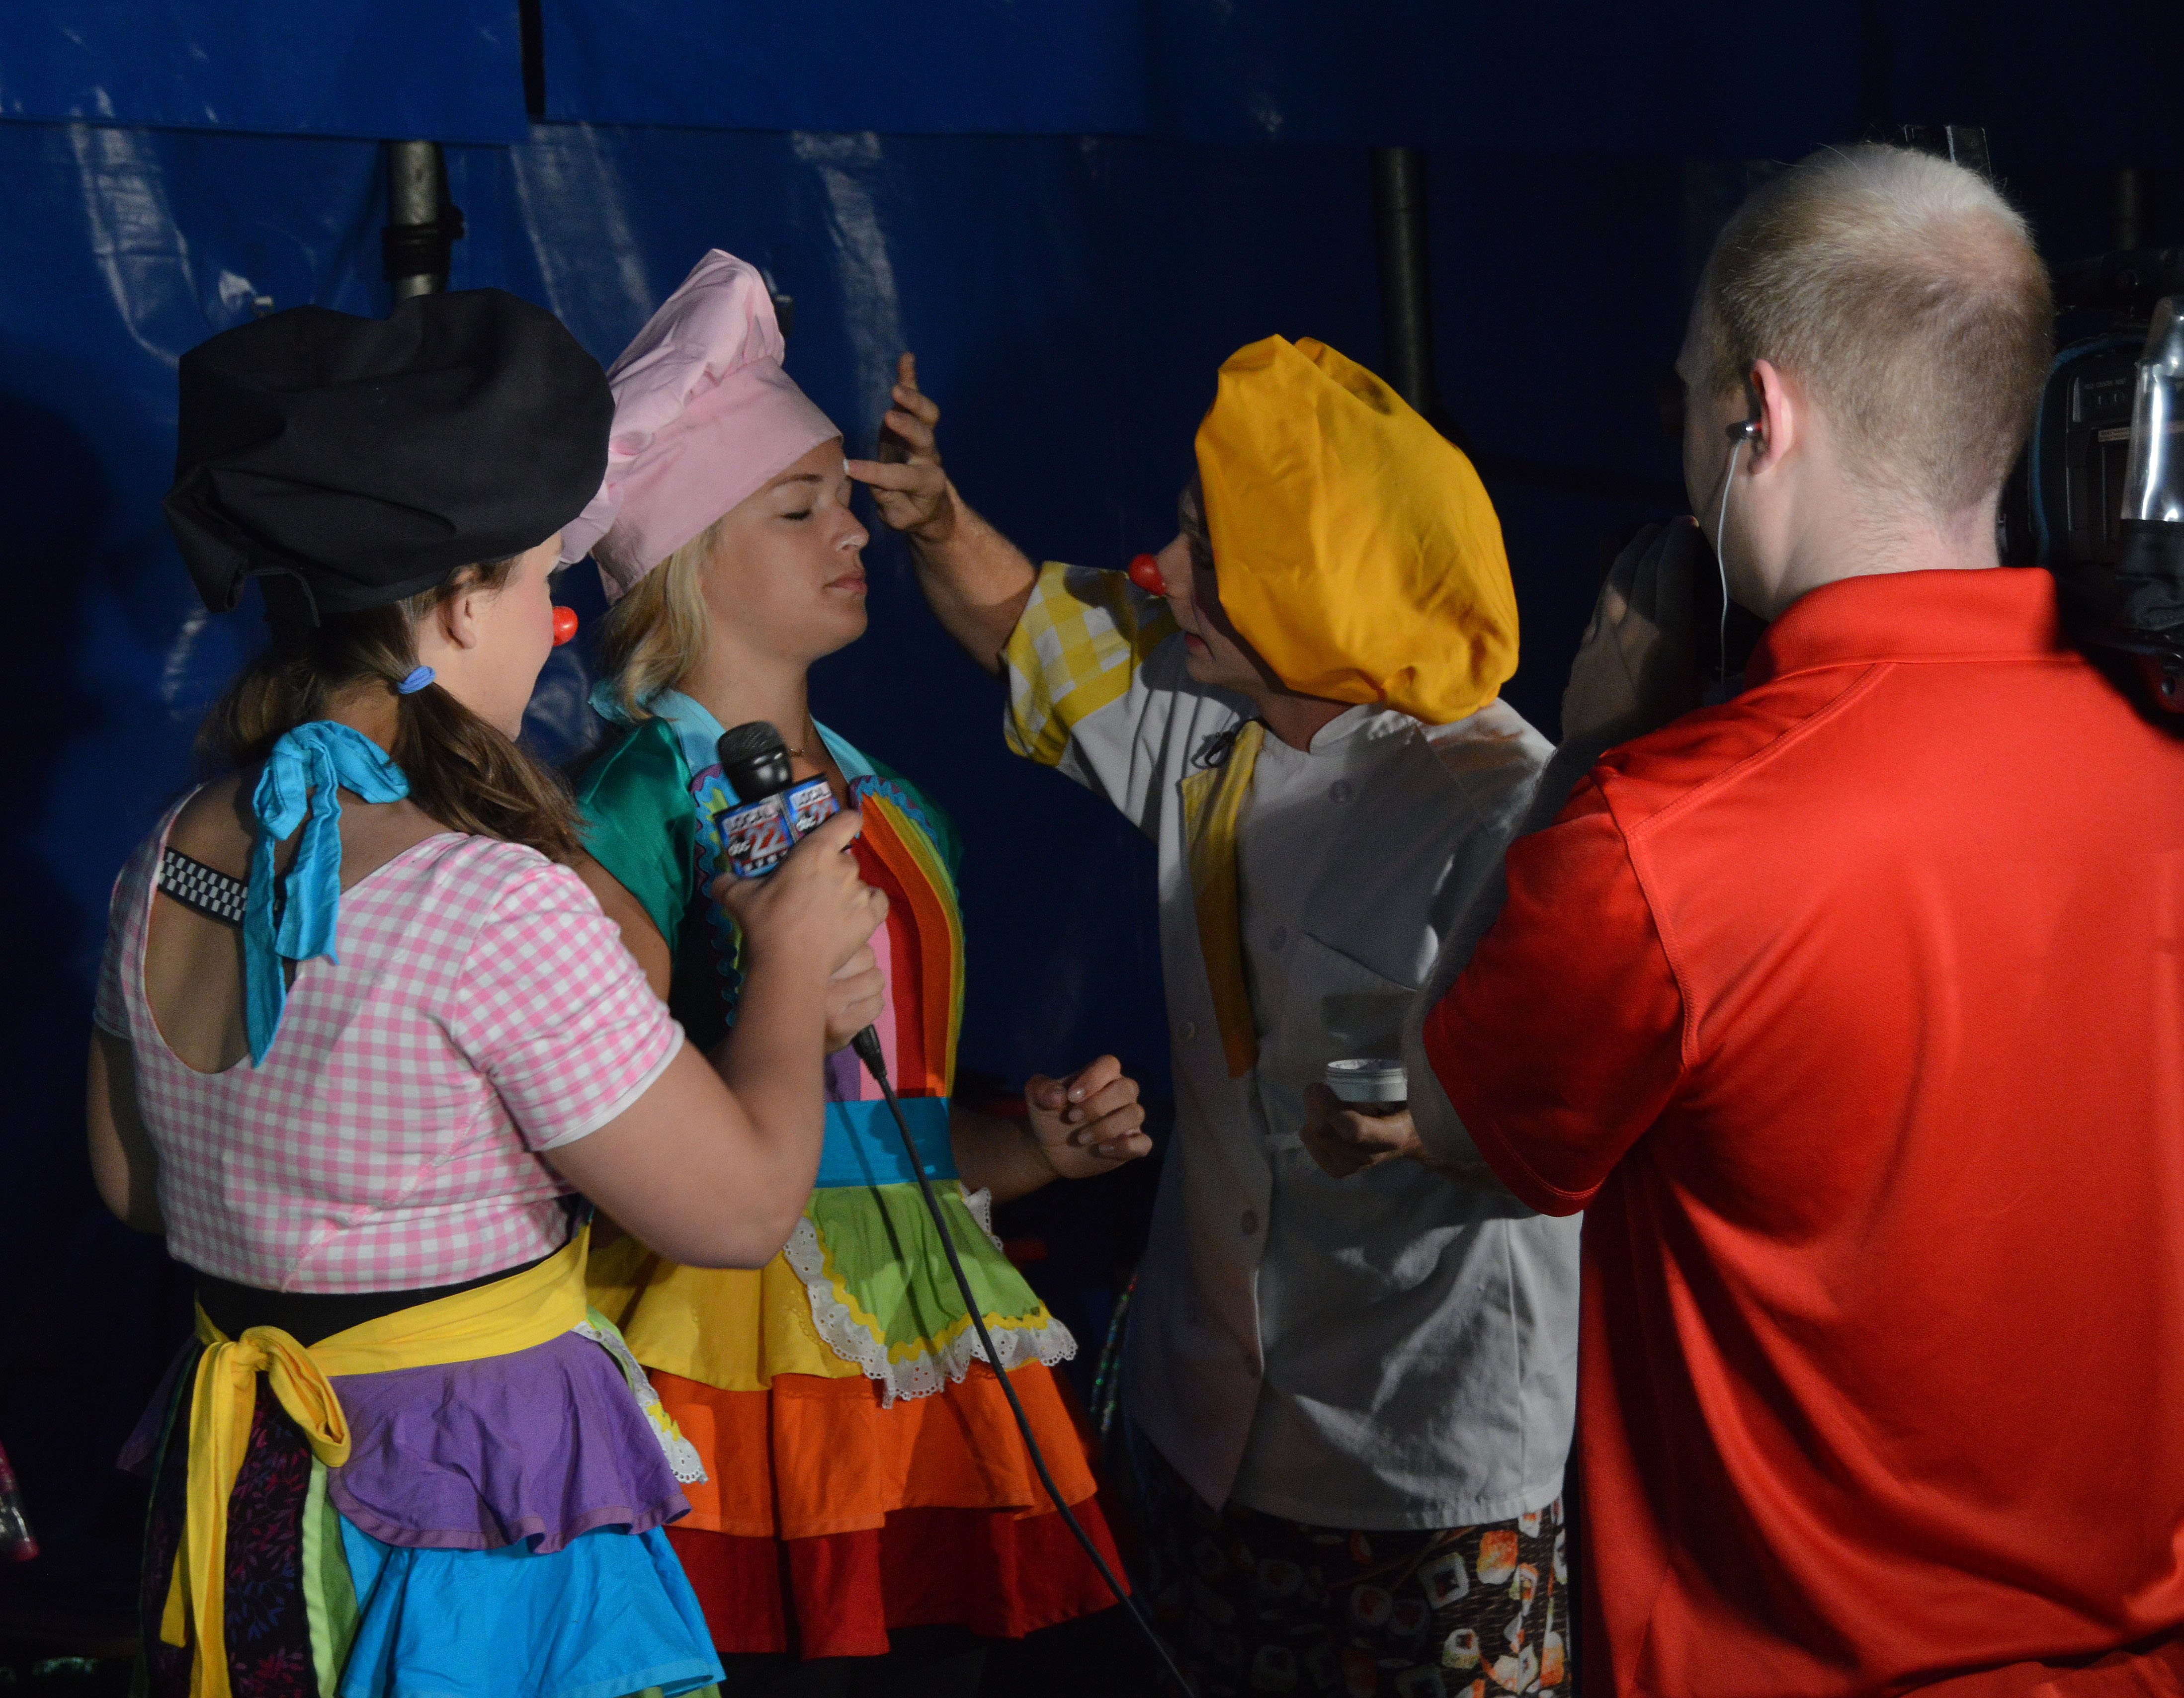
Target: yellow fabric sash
[
  {"x": 517, "y": 1313},
  {"x": 1213, "y": 804}
]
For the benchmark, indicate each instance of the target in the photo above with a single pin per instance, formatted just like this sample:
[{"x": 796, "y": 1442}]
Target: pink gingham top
[{"x": 483, "y": 1010}]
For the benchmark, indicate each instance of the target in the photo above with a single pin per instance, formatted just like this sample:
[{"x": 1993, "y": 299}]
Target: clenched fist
[{"x": 1091, "y": 1123}]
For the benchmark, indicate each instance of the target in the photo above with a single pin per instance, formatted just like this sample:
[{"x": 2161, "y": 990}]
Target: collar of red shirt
[{"x": 1904, "y": 616}]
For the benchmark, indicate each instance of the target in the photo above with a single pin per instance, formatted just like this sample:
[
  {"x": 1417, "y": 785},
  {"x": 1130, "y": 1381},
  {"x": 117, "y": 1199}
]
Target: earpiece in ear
[{"x": 1744, "y": 434}]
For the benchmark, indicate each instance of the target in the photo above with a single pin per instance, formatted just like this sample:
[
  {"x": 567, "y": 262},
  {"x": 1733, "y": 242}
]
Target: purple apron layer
[{"x": 543, "y": 1444}]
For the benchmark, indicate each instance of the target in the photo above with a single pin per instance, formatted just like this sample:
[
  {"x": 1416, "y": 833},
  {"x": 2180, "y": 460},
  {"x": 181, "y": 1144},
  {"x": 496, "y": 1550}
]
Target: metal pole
[
  {"x": 1399, "y": 216},
  {"x": 2130, "y": 211},
  {"x": 418, "y": 227}
]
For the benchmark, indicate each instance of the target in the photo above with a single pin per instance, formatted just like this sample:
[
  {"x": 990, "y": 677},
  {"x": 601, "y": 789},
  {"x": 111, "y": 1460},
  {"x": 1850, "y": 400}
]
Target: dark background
[{"x": 1071, "y": 210}]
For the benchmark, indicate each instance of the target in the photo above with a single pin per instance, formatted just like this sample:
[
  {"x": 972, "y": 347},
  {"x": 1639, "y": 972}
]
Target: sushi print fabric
[{"x": 1254, "y": 1603}]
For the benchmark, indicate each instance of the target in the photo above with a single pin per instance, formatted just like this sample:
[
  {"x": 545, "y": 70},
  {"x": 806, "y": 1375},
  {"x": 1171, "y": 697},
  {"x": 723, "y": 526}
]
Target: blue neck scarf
[{"x": 306, "y": 772}]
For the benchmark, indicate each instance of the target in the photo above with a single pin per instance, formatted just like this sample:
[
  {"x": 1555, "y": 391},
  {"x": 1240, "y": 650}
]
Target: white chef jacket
[{"x": 1394, "y": 1350}]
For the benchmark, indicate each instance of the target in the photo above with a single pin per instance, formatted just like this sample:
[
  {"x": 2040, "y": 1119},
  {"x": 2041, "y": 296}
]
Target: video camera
[
  {"x": 2098, "y": 497},
  {"x": 2064, "y": 507}
]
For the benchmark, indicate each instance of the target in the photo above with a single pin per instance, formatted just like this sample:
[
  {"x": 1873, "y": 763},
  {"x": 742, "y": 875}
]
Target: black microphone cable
[
  {"x": 866, "y": 1044},
  {"x": 754, "y": 760}
]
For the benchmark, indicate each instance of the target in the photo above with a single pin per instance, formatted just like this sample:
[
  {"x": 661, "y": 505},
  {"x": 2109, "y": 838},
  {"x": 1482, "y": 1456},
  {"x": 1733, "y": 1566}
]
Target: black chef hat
[{"x": 368, "y": 459}]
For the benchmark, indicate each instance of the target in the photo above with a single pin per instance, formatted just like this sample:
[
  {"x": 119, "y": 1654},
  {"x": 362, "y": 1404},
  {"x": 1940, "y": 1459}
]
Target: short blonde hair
[
  {"x": 1905, "y": 295},
  {"x": 653, "y": 638}
]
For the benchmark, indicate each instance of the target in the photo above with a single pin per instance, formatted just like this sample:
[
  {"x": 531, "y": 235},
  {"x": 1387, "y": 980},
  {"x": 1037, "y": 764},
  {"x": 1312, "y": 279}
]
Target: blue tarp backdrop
[
  {"x": 1689, "y": 77},
  {"x": 447, "y": 69},
  {"x": 1072, "y": 211}
]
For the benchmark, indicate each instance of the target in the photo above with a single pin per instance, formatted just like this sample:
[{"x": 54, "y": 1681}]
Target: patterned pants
[{"x": 1254, "y": 1603}]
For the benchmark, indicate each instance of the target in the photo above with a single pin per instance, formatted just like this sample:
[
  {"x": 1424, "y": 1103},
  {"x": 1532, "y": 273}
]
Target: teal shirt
[{"x": 639, "y": 824}]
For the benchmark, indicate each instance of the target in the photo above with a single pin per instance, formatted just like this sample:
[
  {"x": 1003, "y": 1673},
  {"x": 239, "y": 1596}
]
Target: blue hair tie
[{"x": 415, "y": 681}]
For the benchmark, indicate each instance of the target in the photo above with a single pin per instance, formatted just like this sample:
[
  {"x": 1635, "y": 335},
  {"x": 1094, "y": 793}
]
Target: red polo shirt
[{"x": 1852, "y": 1012}]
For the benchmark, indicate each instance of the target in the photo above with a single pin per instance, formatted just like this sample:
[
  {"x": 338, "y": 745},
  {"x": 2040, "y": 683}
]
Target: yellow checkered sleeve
[{"x": 1077, "y": 649}]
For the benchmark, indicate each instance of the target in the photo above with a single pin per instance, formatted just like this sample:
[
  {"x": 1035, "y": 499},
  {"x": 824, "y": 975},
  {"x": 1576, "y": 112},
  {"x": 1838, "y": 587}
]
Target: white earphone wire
[{"x": 1720, "y": 555}]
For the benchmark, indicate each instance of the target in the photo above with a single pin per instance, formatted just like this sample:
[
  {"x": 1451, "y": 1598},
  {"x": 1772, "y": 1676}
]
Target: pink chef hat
[{"x": 704, "y": 415}]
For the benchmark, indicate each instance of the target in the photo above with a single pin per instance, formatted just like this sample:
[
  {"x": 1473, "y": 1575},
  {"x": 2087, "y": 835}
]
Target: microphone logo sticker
[{"x": 752, "y": 838}]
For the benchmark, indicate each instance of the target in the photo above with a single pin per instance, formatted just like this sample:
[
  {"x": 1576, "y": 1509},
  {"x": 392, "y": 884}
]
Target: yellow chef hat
[{"x": 1355, "y": 547}]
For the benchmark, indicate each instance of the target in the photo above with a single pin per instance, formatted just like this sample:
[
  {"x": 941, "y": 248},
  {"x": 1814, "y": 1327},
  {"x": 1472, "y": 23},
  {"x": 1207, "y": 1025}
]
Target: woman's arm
[
  {"x": 123, "y": 1166},
  {"x": 996, "y": 1153},
  {"x": 713, "y": 1172},
  {"x": 697, "y": 1175},
  {"x": 854, "y": 995},
  {"x": 1089, "y": 1123}
]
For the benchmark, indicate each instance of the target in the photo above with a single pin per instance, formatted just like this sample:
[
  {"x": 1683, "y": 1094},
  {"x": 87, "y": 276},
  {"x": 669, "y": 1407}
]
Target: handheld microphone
[
  {"x": 773, "y": 813},
  {"x": 774, "y": 816},
  {"x": 757, "y": 835}
]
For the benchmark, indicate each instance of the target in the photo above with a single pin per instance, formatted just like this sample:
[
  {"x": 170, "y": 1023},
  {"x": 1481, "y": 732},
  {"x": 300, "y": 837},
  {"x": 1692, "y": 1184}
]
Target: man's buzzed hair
[{"x": 1904, "y": 295}]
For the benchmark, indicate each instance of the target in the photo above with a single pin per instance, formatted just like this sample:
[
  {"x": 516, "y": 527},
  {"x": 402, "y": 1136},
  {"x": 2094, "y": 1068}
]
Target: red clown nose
[
  {"x": 564, "y": 624},
  {"x": 1146, "y": 573}
]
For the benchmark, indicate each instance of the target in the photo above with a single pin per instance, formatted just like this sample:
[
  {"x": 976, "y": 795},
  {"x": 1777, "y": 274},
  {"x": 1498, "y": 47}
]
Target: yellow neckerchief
[
  {"x": 1212, "y": 804},
  {"x": 514, "y": 1314}
]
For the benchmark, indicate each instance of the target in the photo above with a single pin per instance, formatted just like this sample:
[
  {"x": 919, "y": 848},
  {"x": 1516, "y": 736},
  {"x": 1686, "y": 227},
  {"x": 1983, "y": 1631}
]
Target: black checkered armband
[{"x": 212, "y": 892}]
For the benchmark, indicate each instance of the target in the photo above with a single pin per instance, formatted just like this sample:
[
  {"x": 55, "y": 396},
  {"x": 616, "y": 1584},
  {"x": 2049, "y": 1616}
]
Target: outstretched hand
[
  {"x": 1091, "y": 1123},
  {"x": 909, "y": 489}
]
